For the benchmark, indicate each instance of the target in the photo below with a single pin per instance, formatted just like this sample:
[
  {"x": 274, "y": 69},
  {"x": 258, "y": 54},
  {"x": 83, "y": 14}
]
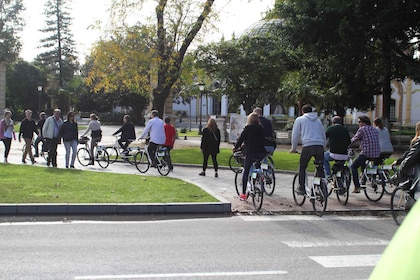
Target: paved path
[{"x": 223, "y": 187}]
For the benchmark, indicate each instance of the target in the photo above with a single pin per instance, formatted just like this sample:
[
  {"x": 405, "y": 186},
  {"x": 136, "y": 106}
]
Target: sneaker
[
  {"x": 242, "y": 197},
  {"x": 329, "y": 178},
  {"x": 202, "y": 173},
  {"x": 216, "y": 175},
  {"x": 300, "y": 191}
]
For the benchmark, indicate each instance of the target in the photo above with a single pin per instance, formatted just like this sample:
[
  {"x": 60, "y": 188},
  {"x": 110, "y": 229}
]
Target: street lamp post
[
  {"x": 39, "y": 97},
  {"x": 200, "y": 127}
]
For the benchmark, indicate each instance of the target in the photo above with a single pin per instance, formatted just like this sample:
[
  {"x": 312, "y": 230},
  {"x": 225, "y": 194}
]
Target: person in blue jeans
[
  {"x": 253, "y": 139},
  {"x": 69, "y": 133},
  {"x": 368, "y": 137}
]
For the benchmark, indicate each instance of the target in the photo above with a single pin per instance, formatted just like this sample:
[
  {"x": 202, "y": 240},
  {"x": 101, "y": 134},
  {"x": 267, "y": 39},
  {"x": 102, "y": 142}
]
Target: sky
[{"x": 235, "y": 17}]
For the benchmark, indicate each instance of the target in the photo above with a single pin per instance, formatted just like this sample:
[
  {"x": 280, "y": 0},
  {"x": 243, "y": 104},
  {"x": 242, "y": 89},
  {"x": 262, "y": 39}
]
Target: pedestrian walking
[
  {"x": 51, "y": 133},
  {"x": 385, "y": 144},
  {"x": 40, "y": 138},
  {"x": 7, "y": 133},
  {"x": 69, "y": 132},
  {"x": 27, "y": 130},
  {"x": 210, "y": 144}
]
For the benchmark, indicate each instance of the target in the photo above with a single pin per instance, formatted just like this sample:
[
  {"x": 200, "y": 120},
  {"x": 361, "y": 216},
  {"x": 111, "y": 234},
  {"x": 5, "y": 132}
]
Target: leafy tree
[
  {"x": 250, "y": 68},
  {"x": 10, "y": 25},
  {"x": 22, "y": 80},
  {"x": 59, "y": 59},
  {"x": 177, "y": 25},
  {"x": 363, "y": 44}
]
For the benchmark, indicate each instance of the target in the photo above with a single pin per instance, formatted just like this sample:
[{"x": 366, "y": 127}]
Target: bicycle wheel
[
  {"x": 346, "y": 175},
  {"x": 342, "y": 190},
  {"x": 298, "y": 198},
  {"x": 269, "y": 181},
  {"x": 113, "y": 154},
  {"x": 319, "y": 202},
  {"x": 235, "y": 164},
  {"x": 238, "y": 181},
  {"x": 398, "y": 201},
  {"x": 374, "y": 190},
  {"x": 102, "y": 157},
  {"x": 83, "y": 156},
  {"x": 257, "y": 198},
  {"x": 389, "y": 187},
  {"x": 141, "y": 161},
  {"x": 269, "y": 178},
  {"x": 162, "y": 165}
]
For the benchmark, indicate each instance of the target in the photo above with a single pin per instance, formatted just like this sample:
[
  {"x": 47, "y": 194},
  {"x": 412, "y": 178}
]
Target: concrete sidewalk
[{"x": 223, "y": 188}]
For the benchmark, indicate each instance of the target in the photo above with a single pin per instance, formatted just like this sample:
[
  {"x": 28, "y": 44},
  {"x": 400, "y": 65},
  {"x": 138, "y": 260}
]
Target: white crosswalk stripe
[{"x": 346, "y": 261}]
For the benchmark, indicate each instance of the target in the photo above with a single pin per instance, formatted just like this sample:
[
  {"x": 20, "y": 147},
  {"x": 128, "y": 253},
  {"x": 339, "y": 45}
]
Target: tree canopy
[
  {"x": 354, "y": 48},
  {"x": 11, "y": 24}
]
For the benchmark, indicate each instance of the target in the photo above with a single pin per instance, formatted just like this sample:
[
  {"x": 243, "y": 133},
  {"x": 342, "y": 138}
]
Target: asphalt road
[{"x": 239, "y": 247}]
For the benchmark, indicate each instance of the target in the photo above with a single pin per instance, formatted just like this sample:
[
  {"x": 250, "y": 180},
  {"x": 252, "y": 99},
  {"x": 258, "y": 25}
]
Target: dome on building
[{"x": 261, "y": 27}]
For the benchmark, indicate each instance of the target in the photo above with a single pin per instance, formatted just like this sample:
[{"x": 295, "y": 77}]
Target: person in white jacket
[
  {"x": 51, "y": 132},
  {"x": 310, "y": 130}
]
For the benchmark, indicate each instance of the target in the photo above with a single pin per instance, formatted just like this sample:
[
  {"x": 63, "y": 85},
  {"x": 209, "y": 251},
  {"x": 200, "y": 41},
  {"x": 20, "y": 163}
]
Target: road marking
[
  {"x": 309, "y": 218},
  {"x": 181, "y": 275},
  {"x": 347, "y": 261},
  {"x": 334, "y": 243}
]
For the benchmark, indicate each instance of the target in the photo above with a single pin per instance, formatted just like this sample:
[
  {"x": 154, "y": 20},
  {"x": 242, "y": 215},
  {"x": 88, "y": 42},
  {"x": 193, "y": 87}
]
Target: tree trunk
[
  {"x": 386, "y": 88},
  {"x": 159, "y": 99}
]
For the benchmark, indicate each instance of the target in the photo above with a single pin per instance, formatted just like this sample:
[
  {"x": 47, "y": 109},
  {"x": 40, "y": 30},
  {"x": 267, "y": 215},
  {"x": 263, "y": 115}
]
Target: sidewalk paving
[{"x": 223, "y": 188}]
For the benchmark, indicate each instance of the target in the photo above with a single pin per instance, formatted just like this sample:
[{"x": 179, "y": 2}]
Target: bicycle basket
[{"x": 83, "y": 140}]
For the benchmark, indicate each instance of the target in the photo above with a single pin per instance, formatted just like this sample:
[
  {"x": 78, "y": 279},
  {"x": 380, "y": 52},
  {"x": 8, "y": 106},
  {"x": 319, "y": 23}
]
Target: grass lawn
[
  {"x": 32, "y": 184},
  {"x": 282, "y": 160}
]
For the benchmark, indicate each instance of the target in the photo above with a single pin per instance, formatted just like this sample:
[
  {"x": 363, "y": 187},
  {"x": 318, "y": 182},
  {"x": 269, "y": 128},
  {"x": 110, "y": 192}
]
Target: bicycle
[
  {"x": 316, "y": 193},
  {"x": 371, "y": 181},
  {"x": 115, "y": 151},
  {"x": 143, "y": 161},
  {"x": 85, "y": 158},
  {"x": 340, "y": 181},
  {"x": 255, "y": 183},
  {"x": 267, "y": 167},
  {"x": 402, "y": 199}
]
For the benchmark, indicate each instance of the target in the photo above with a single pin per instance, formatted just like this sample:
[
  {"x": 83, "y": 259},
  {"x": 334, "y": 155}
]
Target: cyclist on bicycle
[
  {"x": 369, "y": 142},
  {"x": 128, "y": 133},
  {"x": 339, "y": 138},
  {"x": 253, "y": 138},
  {"x": 410, "y": 162},
  {"x": 155, "y": 127},
  {"x": 270, "y": 141},
  {"x": 310, "y": 130}
]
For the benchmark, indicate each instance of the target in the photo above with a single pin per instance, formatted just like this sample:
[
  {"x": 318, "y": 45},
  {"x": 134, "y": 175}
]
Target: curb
[{"x": 116, "y": 209}]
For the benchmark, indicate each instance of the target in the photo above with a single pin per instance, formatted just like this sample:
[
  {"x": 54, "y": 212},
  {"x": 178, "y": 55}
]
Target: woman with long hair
[
  {"x": 253, "y": 138},
  {"x": 210, "y": 143},
  {"x": 7, "y": 132},
  {"x": 69, "y": 133}
]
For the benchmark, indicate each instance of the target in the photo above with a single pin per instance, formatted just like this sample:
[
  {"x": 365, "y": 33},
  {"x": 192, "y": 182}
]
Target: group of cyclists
[{"x": 374, "y": 144}]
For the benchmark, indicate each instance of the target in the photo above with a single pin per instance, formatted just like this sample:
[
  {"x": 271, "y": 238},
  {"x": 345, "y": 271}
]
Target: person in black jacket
[
  {"x": 69, "y": 132},
  {"x": 210, "y": 143},
  {"x": 253, "y": 138},
  {"x": 40, "y": 138},
  {"x": 27, "y": 130},
  {"x": 128, "y": 133}
]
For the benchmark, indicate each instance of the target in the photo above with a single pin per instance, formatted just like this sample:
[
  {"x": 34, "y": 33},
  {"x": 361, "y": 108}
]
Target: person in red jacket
[{"x": 170, "y": 139}]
